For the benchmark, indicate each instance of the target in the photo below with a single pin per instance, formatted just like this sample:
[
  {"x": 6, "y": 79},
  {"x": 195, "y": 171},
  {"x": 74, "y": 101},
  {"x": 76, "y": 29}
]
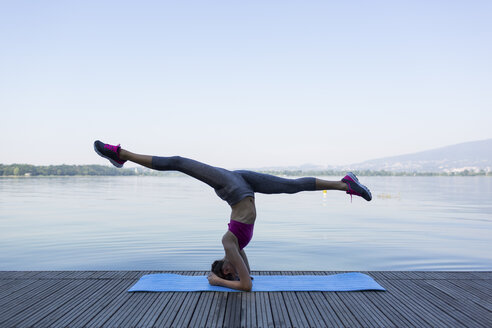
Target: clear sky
[{"x": 242, "y": 83}]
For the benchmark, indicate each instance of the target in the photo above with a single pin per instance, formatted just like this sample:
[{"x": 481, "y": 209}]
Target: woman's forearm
[{"x": 238, "y": 285}]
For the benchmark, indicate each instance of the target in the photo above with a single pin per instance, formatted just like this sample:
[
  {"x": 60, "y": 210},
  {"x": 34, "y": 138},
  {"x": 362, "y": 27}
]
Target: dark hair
[{"x": 217, "y": 269}]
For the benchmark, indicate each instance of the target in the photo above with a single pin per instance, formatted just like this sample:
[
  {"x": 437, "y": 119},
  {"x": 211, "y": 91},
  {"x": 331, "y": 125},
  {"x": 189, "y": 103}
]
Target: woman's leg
[
  {"x": 270, "y": 184},
  {"x": 144, "y": 160},
  {"x": 330, "y": 185},
  {"x": 229, "y": 186},
  {"x": 213, "y": 176}
]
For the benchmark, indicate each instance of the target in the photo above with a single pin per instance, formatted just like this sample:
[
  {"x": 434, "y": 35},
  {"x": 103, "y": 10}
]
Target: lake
[{"x": 176, "y": 223}]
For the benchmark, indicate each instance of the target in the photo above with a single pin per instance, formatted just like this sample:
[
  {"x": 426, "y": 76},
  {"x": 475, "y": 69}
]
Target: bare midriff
[{"x": 244, "y": 211}]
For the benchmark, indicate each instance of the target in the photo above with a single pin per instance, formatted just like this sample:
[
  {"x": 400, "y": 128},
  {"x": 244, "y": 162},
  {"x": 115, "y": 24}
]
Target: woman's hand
[{"x": 213, "y": 279}]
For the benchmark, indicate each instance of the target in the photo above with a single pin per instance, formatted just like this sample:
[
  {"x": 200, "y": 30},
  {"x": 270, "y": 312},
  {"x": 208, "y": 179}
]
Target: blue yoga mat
[{"x": 169, "y": 282}]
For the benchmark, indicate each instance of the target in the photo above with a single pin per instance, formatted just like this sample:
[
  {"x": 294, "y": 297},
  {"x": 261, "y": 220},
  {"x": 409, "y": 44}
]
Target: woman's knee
[
  {"x": 166, "y": 163},
  {"x": 175, "y": 161}
]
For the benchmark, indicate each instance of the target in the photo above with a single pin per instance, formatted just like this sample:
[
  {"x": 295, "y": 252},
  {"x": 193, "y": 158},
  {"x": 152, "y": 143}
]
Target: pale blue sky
[{"x": 242, "y": 83}]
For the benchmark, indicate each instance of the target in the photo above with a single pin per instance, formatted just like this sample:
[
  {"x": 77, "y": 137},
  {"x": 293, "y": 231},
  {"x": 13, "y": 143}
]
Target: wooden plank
[
  {"x": 483, "y": 284},
  {"x": 293, "y": 306},
  {"x": 198, "y": 317},
  {"x": 471, "y": 311},
  {"x": 294, "y": 310},
  {"x": 412, "y": 274},
  {"x": 133, "y": 316},
  {"x": 20, "y": 287},
  {"x": 153, "y": 313},
  {"x": 202, "y": 310},
  {"x": 430, "y": 311},
  {"x": 463, "y": 284},
  {"x": 388, "y": 275},
  {"x": 30, "y": 274},
  {"x": 279, "y": 310},
  {"x": 186, "y": 304},
  {"x": 356, "y": 310},
  {"x": 108, "y": 312},
  {"x": 232, "y": 316},
  {"x": 12, "y": 274},
  {"x": 369, "y": 310},
  {"x": 88, "y": 305},
  {"x": 135, "y": 275},
  {"x": 341, "y": 310},
  {"x": 483, "y": 274},
  {"x": 185, "y": 313},
  {"x": 419, "y": 275},
  {"x": 90, "y": 298},
  {"x": 459, "y": 293},
  {"x": 217, "y": 310},
  {"x": 426, "y": 294},
  {"x": 262, "y": 306},
  {"x": 183, "y": 317},
  {"x": 391, "y": 311},
  {"x": 457, "y": 275},
  {"x": 19, "y": 304},
  {"x": 169, "y": 312},
  {"x": 327, "y": 313},
  {"x": 66, "y": 300},
  {"x": 264, "y": 317},
  {"x": 483, "y": 291},
  {"x": 15, "y": 287},
  {"x": 82, "y": 275},
  {"x": 434, "y": 275},
  {"x": 30, "y": 308},
  {"x": 248, "y": 310},
  {"x": 412, "y": 309},
  {"x": 6, "y": 282},
  {"x": 311, "y": 310},
  {"x": 130, "y": 311},
  {"x": 390, "y": 302},
  {"x": 104, "y": 307}
]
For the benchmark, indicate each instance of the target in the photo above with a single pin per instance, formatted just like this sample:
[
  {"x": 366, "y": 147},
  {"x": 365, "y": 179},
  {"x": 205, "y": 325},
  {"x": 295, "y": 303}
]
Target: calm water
[{"x": 176, "y": 223}]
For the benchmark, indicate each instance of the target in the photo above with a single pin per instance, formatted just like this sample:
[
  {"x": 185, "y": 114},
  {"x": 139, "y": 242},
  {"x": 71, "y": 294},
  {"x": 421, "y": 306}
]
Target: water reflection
[{"x": 176, "y": 223}]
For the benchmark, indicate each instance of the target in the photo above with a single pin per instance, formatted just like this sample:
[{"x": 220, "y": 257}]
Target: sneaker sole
[
  {"x": 353, "y": 177},
  {"x": 118, "y": 165}
]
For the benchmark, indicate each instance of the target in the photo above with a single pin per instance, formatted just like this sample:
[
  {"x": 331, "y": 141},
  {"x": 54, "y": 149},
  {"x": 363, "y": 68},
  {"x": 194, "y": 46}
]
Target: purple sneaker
[
  {"x": 109, "y": 152},
  {"x": 356, "y": 188}
]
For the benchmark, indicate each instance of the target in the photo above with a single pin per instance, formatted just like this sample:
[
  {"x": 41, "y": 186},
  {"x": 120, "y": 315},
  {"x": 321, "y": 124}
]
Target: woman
[{"x": 237, "y": 188}]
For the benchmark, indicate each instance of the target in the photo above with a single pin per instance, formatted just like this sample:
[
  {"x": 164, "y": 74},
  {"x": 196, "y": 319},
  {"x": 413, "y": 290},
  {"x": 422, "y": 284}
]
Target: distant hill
[{"x": 472, "y": 156}]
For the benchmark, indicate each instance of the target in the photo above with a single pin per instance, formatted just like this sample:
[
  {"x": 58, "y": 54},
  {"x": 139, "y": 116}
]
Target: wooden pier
[{"x": 100, "y": 299}]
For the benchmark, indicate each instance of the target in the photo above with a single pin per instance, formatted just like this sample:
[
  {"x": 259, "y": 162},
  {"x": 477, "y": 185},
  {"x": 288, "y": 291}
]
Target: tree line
[
  {"x": 100, "y": 170},
  {"x": 61, "y": 170},
  {"x": 376, "y": 173}
]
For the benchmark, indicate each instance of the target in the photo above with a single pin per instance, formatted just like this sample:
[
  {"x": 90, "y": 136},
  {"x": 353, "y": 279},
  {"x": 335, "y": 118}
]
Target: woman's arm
[
  {"x": 231, "y": 248},
  {"x": 234, "y": 284},
  {"x": 245, "y": 259}
]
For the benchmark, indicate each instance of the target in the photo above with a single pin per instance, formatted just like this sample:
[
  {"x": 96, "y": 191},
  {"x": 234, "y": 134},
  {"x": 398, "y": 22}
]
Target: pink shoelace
[
  {"x": 350, "y": 191},
  {"x": 112, "y": 148}
]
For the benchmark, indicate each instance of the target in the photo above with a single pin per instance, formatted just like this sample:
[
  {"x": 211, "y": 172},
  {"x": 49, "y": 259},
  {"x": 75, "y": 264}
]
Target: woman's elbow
[{"x": 247, "y": 287}]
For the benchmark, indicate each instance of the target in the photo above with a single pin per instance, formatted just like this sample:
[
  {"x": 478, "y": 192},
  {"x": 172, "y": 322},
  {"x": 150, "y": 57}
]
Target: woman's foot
[
  {"x": 355, "y": 187},
  {"x": 109, "y": 152}
]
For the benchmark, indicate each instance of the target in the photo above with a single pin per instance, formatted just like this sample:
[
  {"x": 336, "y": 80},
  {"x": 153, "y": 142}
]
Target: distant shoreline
[{"x": 27, "y": 170}]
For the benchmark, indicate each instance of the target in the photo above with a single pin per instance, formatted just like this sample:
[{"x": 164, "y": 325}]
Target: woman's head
[{"x": 223, "y": 269}]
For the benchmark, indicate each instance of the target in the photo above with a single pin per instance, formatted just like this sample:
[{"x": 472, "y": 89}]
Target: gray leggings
[{"x": 233, "y": 186}]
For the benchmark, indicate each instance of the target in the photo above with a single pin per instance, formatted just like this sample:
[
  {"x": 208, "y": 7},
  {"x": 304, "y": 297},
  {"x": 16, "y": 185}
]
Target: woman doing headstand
[{"x": 237, "y": 188}]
